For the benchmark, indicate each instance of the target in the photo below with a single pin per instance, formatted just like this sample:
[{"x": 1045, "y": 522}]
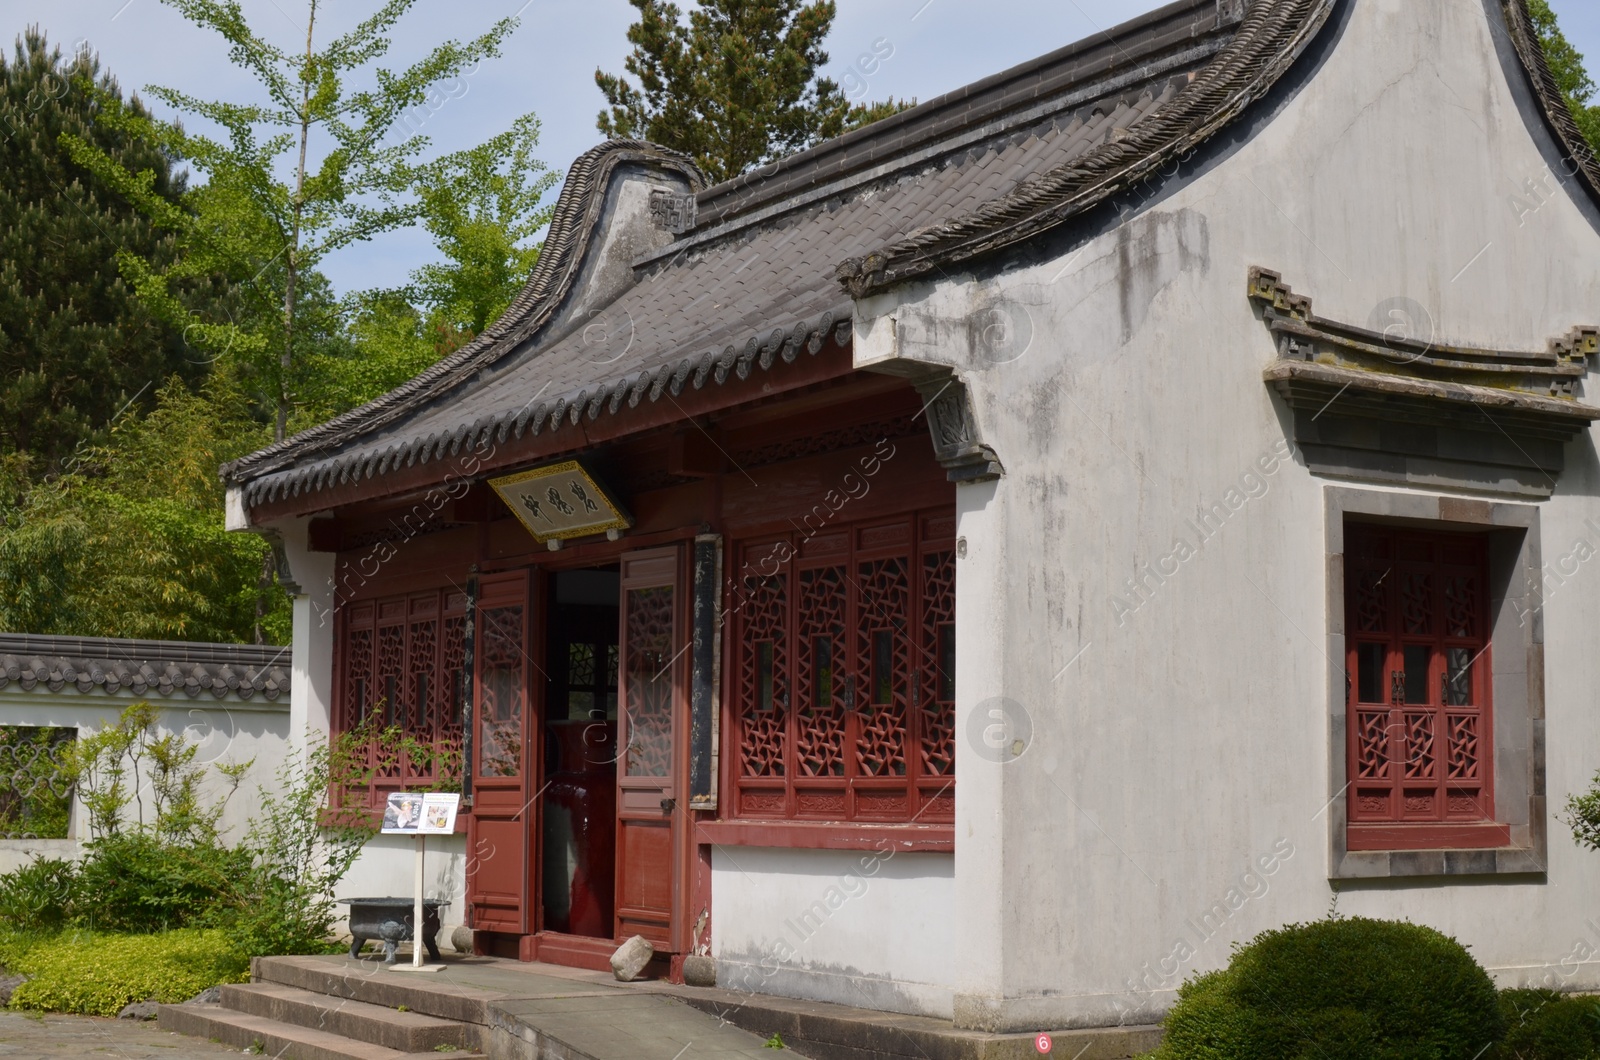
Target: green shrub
[
  {"x": 1545, "y": 1025},
  {"x": 39, "y": 894},
  {"x": 15, "y": 942},
  {"x": 96, "y": 975},
  {"x": 138, "y": 882},
  {"x": 1347, "y": 989}
]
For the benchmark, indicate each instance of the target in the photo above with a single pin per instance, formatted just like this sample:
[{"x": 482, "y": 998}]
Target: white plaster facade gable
[
  {"x": 1149, "y": 592},
  {"x": 1175, "y": 670}
]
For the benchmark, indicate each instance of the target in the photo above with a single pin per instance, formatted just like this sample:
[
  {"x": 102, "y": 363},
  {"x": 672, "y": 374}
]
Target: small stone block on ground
[{"x": 631, "y": 958}]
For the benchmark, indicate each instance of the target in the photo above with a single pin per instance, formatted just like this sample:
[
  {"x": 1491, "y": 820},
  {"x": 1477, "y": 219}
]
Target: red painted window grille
[
  {"x": 1418, "y": 673},
  {"x": 400, "y": 666},
  {"x": 844, "y": 673}
]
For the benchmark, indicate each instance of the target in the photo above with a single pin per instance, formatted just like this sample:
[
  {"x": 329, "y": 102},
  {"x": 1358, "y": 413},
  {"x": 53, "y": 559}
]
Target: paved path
[{"x": 27, "y": 1037}]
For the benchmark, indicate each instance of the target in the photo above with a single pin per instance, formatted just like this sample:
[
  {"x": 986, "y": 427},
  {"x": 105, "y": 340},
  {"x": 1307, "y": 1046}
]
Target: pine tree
[
  {"x": 733, "y": 87},
  {"x": 76, "y": 346}
]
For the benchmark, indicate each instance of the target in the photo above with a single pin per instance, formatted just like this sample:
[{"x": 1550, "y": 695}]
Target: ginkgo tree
[{"x": 317, "y": 166}]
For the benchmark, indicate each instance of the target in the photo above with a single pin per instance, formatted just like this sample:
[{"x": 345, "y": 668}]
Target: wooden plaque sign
[{"x": 560, "y": 501}]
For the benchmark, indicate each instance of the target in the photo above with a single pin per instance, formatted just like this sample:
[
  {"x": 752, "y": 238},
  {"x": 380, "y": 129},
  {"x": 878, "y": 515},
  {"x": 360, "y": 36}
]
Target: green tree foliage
[
  {"x": 348, "y": 178},
  {"x": 1566, "y": 64},
  {"x": 131, "y": 542},
  {"x": 76, "y": 346},
  {"x": 734, "y": 86},
  {"x": 483, "y": 207}
]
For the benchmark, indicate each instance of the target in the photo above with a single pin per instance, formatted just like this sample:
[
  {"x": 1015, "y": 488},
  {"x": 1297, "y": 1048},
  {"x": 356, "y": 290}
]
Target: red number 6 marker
[{"x": 1042, "y": 1043}]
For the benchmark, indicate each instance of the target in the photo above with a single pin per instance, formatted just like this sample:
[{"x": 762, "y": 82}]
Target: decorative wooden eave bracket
[
  {"x": 956, "y": 442},
  {"x": 1397, "y": 408}
]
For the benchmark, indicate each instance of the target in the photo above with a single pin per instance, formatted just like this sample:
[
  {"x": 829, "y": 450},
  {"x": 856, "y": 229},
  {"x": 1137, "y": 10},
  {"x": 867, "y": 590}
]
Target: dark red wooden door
[
  {"x": 650, "y": 834},
  {"x": 497, "y": 883}
]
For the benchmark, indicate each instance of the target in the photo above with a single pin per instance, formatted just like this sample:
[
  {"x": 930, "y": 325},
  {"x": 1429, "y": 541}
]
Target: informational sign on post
[{"x": 420, "y": 813}]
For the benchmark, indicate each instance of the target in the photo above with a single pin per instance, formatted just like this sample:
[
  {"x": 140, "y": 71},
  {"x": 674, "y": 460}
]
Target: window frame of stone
[{"x": 1513, "y": 839}]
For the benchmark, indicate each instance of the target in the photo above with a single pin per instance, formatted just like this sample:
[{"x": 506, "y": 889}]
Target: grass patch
[{"x": 96, "y": 974}]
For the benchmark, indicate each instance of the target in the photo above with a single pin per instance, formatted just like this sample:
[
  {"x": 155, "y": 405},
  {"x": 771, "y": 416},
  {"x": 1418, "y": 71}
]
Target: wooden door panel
[
  {"x": 499, "y": 882},
  {"x": 647, "y": 888},
  {"x": 503, "y": 632},
  {"x": 653, "y": 722}
]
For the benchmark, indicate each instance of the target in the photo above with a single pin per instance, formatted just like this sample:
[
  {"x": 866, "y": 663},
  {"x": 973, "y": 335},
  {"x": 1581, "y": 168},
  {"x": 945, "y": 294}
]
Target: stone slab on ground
[
  {"x": 538, "y": 1011},
  {"x": 838, "y": 1032},
  {"x": 25, "y": 1037},
  {"x": 622, "y": 1027}
]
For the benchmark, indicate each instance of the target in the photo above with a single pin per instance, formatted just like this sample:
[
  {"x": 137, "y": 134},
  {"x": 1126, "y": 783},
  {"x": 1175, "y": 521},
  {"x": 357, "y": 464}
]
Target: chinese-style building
[{"x": 984, "y": 564}]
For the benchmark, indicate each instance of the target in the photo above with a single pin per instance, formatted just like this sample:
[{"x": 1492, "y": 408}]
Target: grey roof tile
[
  {"x": 761, "y": 271},
  {"x": 142, "y": 667}
]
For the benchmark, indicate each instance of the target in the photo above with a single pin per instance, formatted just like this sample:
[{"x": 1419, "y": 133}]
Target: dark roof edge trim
[
  {"x": 1569, "y": 138},
  {"x": 131, "y": 650},
  {"x": 1120, "y": 51},
  {"x": 713, "y": 366},
  {"x": 1273, "y": 35},
  {"x": 571, "y": 231}
]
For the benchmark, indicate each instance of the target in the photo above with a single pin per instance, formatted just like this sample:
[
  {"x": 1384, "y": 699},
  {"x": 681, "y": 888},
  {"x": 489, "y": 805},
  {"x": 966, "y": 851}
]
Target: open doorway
[{"x": 578, "y": 870}]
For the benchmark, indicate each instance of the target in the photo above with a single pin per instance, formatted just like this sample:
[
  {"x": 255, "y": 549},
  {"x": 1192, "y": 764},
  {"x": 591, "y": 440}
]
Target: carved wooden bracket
[
  {"x": 956, "y": 443},
  {"x": 1400, "y": 407}
]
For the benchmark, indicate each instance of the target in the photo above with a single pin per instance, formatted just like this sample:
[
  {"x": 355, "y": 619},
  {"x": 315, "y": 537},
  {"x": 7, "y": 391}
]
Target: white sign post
[{"x": 420, "y": 814}]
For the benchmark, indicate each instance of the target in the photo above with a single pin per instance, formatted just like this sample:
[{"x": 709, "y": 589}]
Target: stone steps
[
  {"x": 275, "y": 1038},
  {"x": 405, "y": 1032},
  {"x": 423, "y": 994}
]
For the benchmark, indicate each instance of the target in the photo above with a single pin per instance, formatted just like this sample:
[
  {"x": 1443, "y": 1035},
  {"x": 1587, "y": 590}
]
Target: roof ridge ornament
[{"x": 578, "y": 211}]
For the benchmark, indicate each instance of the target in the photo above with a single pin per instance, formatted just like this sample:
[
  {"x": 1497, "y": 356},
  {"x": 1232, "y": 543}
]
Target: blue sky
[{"x": 548, "y": 66}]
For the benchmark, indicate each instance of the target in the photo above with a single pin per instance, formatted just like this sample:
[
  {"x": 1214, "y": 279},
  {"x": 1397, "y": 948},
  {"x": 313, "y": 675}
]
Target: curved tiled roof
[
  {"x": 1581, "y": 156},
  {"x": 1270, "y": 38},
  {"x": 755, "y": 284},
  {"x": 143, "y": 667},
  {"x": 571, "y": 226}
]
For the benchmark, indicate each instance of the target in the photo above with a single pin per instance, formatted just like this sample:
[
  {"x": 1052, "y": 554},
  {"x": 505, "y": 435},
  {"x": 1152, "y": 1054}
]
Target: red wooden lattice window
[
  {"x": 401, "y": 665},
  {"x": 844, "y": 673},
  {"x": 1418, "y": 673}
]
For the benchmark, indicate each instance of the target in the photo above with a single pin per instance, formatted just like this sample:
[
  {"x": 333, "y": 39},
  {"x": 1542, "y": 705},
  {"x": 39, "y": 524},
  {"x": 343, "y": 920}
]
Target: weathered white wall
[
  {"x": 387, "y": 866},
  {"x": 311, "y": 652},
  {"x": 864, "y": 928},
  {"x": 227, "y": 732},
  {"x": 1180, "y": 730},
  {"x": 15, "y": 853}
]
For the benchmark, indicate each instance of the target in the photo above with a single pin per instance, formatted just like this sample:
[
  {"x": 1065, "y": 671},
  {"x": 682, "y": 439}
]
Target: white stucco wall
[
  {"x": 864, "y": 928},
  {"x": 227, "y": 732},
  {"x": 387, "y": 866},
  {"x": 1180, "y": 741}
]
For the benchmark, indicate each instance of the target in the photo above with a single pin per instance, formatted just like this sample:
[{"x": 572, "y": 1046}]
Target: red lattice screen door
[
  {"x": 651, "y": 838},
  {"x": 497, "y": 874}
]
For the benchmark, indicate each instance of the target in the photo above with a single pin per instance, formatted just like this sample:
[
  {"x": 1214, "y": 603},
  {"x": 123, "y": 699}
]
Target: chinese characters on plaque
[{"x": 560, "y": 501}]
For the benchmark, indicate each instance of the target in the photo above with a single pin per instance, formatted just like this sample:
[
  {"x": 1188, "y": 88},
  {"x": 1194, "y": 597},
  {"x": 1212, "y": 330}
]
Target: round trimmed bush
[
  {"x": 1347, "y": 989},
  {"x": 1545, "y": 1025}
]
